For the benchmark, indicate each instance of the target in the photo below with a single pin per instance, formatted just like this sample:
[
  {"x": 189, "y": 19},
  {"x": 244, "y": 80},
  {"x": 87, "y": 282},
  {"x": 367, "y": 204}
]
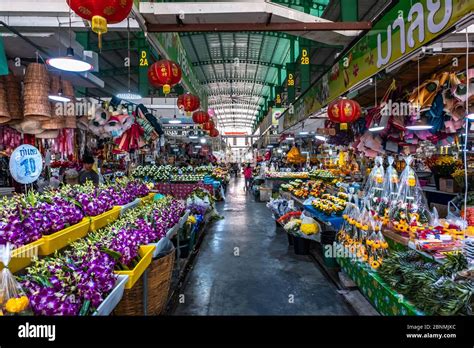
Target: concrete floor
[{"x": 265, "y": 278}]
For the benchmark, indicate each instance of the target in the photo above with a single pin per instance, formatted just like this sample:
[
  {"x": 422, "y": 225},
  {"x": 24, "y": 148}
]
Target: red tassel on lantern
[{"x": 101, "y": 12}]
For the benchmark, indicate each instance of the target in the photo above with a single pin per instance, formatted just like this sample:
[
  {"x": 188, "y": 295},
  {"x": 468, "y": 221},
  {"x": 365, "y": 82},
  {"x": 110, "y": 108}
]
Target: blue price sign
[{"x": 26, "y": 164}]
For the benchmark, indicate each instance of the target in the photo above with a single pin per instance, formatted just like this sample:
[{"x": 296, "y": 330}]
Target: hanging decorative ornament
[
  {"x": 213, "y": 133},
  {"x": 164, "y": 73},
  {"x": 208, "y": 126},
  {"x": 101, "y": 12},
  {"x": 344, "y": 111},
  {"x": 200, "y": 117},
  {"x": 188, "y": 102}
]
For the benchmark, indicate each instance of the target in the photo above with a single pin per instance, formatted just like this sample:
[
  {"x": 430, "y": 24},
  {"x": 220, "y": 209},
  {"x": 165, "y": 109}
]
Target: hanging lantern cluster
[
  {"x": 214, "y": 133},
  {"x": 188, "y": 102},
  {"x": 201, "y": 117},
  {"x": 344, "y": 111},
  {"x": 164, "y": 73},
  {"x": 208, "y": 126},
  {"x": 101, "y": 12}
]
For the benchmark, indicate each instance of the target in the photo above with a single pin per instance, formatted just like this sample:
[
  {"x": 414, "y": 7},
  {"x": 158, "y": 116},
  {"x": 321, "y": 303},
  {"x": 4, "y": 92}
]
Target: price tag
[{"x": 26, "y": 164}]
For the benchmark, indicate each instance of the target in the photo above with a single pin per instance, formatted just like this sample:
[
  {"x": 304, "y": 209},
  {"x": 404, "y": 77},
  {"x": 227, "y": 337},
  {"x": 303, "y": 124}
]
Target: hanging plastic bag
[
  {"x": 390, "y": 191},
  {"x": 374, "y": 187},
  {"x": 409, "y": 211},
  {"x": 13, "y": 300}
]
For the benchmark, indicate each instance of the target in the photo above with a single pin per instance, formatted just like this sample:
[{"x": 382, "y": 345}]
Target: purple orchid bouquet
[{"x": 70, "y": 284}]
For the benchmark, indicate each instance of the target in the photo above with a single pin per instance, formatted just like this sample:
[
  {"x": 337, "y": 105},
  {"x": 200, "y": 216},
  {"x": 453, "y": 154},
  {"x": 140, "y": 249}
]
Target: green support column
[
  {"x": 349, "y": 10},
  {"x": 290, "y": 82},
  {"x": 143, "y": 64},
  {"x": 83, "y": 38},
  {"x": 305, "y": 68}
]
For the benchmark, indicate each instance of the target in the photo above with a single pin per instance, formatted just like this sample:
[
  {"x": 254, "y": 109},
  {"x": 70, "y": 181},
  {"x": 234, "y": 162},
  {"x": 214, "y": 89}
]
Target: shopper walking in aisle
[{"x": 248, "y": 173}]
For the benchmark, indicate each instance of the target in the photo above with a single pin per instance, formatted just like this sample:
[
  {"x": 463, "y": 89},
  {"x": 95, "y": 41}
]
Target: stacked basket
[
  {"x": 4, "y": 112},
  {"x": 68, "y": 91},
  {"x": 57, "y": 115},
  {"x": 37, "y": 107},
  {"x": 13, "y": 86}
]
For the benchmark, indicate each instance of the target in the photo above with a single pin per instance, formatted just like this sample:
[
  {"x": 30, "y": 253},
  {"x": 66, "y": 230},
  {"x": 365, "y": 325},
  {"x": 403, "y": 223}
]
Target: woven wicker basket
[
  {"x": 54, "y": 123},
  {"x": 30, "y": 126},
  {"x": 48, "y": 134},
  {"x": 159, "y": 280},
  {"x": 70, "y": 122}
]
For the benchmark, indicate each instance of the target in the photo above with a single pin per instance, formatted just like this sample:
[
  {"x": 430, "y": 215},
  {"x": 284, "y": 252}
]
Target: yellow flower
[
  {"x": 17, "y": 305},
  {"x": 191, "y": 219}
]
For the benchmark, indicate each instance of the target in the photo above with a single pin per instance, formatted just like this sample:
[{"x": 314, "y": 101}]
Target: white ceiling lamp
[
  {"x": 129, "y": 95},
  {"x": 320, "y": 137},
  {"x": 69, "y": 62},
  {"x": 376, "y": 126},
  {"x": 419, "y": 125},
  {"x": 470, "y": 117},
  {"x": 174, "y": 121},
  {"x": 290, "y": 138},
  {"x": 198, "y": 147},
  {"x": 304, "y": 133},
  {"x": 203, "y": 140}
]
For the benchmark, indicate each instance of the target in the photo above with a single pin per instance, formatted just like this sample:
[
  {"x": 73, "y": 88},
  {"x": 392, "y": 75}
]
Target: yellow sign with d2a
[{"x": 143, "y": 58}]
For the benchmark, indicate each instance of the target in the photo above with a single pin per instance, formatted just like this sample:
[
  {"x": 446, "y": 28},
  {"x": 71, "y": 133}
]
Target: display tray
[
  {"x": 63, "y": 238},
  {"x": 148, "y": 198},
  {"x": 22, "y": 256},
  {"x": 131, "y": 205},
  {"x": 172, "y": 231},
  {"x": 183, "y": 219},
  {"x": 385, "y": 299},
  {"x": 146, "y": 253},
  {"x": 102, "y": 220},
  {"x": 114, "y": 297}
]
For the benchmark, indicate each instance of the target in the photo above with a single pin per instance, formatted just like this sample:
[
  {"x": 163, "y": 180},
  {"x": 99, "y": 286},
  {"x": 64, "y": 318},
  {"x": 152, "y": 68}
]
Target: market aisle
[{"x": 265, "y": 275}]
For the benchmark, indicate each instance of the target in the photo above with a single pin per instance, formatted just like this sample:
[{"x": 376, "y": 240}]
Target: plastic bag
[
  {"x": 390, "y": 191},
  {"x": 13, "y": 300},
  {"x": 409, "y": 211},
  {"x": 374, "y": 187},
  {"x": 308, "y": 225}
]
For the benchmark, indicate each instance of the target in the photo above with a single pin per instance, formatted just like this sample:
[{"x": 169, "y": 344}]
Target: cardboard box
[{"x": 448, "y": 185}]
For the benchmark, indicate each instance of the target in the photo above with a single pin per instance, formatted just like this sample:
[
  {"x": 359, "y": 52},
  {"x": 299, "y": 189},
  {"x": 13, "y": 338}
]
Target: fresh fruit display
[
  {"x": 435, "y": 289},
  {"x": 323, "y": 174}
]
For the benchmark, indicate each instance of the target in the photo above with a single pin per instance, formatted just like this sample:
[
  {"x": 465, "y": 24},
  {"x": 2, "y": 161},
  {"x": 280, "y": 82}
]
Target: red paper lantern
[
  {"x": 164, "y": 73},
  {"x": 344, "y": 111},
  {"x": 208, "y": 126},
  {"x": 101, "y": 12},
  {"x": 214, "y": 133},
  {"x": 188, "y": 102},
  {"x": 200, "y": 117}
]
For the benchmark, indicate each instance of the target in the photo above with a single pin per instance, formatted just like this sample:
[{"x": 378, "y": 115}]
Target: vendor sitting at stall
[{"x": 87, "y": 173}]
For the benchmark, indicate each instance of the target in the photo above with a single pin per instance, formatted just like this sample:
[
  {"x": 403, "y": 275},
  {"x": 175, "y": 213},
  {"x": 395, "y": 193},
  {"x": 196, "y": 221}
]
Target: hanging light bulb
[
  {"x": 129, "y": 95},
  {"x": 69, "y": 62}
]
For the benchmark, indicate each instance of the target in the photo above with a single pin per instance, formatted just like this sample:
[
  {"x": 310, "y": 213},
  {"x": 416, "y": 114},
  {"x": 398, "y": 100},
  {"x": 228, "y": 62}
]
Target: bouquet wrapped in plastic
[
  {"x": 409, "y": 211},
  {"x": 374, "y": 187},
  {"x": 389, "y": 193},
  {"x": 13, "y": 300}
]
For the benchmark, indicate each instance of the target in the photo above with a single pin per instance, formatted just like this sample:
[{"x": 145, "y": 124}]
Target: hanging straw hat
[
  {"x": 31, "y": 126},
  {"x": 70, "y": 122},
  {"x": 48, "y": 134},
  {"x": 53, "y": 123}
]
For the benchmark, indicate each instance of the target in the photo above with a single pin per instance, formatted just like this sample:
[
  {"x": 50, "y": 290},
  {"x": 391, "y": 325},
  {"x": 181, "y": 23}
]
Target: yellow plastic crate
[
  {"x": 146, "y": 253},
  {"x": 104, "y": 219},
  {"x": 64, "y": 237},
  {"x": 149, "y": 198},
  {"x": 22, "y": 256}
]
